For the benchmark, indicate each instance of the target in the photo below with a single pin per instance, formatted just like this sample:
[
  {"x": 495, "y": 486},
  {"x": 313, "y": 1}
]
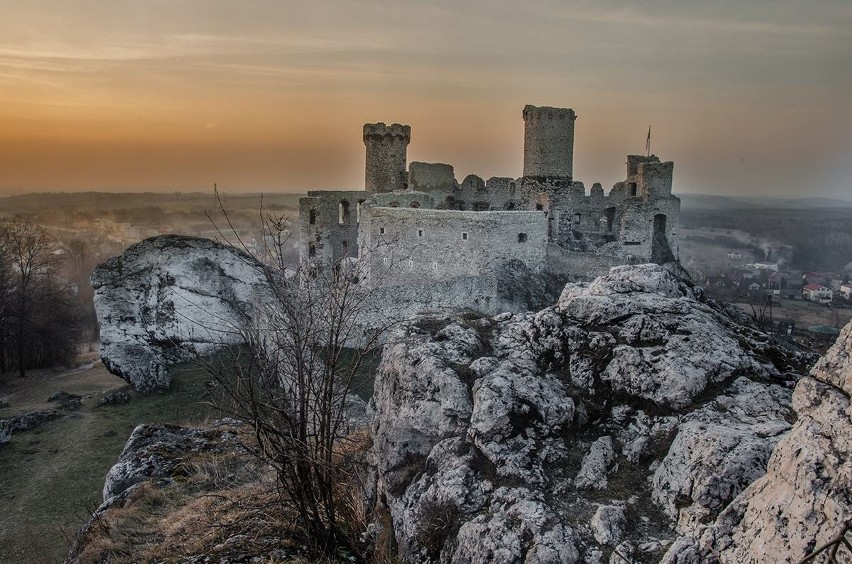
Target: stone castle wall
[
  {"x": 417, "y": 228},
  {"x": 416, "y": 246},
  {"x": 328, "y": 225}
]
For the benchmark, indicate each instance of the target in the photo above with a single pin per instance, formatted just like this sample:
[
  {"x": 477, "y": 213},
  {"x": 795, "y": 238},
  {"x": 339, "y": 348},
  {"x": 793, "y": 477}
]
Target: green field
[{"x": 51, "y": 478}]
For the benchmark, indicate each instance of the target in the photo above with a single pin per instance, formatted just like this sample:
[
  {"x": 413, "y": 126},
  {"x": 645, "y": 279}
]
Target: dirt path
[{"x": 51, "y": 478}]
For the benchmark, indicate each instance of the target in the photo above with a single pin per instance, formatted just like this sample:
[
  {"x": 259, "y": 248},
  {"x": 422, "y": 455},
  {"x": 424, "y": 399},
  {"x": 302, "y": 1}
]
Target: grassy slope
[{"x": 51, "y": 478}]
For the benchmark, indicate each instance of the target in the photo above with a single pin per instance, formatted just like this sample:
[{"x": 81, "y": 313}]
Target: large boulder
[
  {"x": 805, "y": 498},
  {"x": 170, "y": 298},
  {"x": 636, "y": 405}
]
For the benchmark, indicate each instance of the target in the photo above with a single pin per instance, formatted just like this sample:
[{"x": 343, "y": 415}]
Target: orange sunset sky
[{"x": 748, "y": 98}]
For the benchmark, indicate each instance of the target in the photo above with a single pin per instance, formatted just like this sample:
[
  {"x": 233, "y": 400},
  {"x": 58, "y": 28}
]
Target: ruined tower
[
  {"x": 548, "y": 142},
  {"x": 386, "y": 156}
]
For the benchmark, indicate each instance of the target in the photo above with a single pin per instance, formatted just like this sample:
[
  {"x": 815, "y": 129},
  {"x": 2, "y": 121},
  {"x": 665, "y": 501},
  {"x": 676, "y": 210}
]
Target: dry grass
[{"x": 227, "y": 507}]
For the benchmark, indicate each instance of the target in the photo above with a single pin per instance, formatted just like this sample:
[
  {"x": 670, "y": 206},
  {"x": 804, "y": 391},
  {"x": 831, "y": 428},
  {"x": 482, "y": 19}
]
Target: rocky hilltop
[
  {"x": 635, "y": 420},
  {"x": 630, "y": 414},
  {"x": 168, "y": 298}
]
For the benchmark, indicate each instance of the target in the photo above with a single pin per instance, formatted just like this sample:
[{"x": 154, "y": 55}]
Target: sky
[{"x": 747, "y": 98}]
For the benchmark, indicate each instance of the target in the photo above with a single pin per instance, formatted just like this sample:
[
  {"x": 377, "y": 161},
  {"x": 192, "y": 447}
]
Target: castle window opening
[
  {"x": 464, "y": 235},
  {"x": 632, "y": 188},
  {"x": 410, "y": 263},
  {"x": 344, "y": 245},
  {"x": 522, "y": 237},
  {"x": 539, "y": 207},
  {"x": 343, "y": 212},
  {"x": 632, "y": 243},
  {"x": 434, "y": 266},
  {"x": 420, "y": 233},
  {"x": 577, "y": 218},
  {"x": 312, "y": 217},
  {"x": 381, "y": 230},
  {"x": 385, "y": 260},
  {"x": 609, "y": 215},
  {"x": 312, "y": 250}
]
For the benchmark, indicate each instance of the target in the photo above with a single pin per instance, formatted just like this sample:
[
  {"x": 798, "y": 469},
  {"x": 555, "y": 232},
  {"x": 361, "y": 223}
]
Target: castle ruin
[{"x": 428, "y": 241}]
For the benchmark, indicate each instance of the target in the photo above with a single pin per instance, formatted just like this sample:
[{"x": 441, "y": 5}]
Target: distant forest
[{"x": 821, "y": 238}]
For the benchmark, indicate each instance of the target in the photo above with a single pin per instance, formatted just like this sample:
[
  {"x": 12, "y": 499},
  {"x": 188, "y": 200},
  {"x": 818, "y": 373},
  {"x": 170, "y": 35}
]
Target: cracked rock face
[
  {"x": 579, "y": 433},
  {"x": 805, "y": 497},
  {"x": 169, "y": 298}
]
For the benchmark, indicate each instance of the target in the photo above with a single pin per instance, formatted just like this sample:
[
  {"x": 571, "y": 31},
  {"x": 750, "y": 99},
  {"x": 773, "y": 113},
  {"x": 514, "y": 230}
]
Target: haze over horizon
[{"x": 746, "y": 99}]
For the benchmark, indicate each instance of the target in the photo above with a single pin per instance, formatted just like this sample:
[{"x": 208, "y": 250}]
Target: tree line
[{"x": 41, "y": 318}]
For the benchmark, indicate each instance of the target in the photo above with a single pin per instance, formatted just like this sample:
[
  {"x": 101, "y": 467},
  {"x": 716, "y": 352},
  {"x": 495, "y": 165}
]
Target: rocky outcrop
[
  {"x": 160, "y": 452},
  {"x": 169, "y": 298},
  {"x": 578, "y": 433},
  {"x": 805, "y": 498}
]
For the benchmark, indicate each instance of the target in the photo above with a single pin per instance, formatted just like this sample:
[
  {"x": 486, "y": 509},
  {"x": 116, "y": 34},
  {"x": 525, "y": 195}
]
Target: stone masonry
[{"x": 414, "y": 226}]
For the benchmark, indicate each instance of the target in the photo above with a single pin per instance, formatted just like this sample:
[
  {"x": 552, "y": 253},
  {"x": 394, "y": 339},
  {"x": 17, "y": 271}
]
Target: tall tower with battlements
[
  {"x": 548, "y": 142},
  {"x": 385, "y": 170}
]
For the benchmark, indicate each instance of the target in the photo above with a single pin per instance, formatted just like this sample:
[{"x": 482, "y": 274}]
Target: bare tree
[
  {"x": 292, "y": 381},
  {"x": 39, "y": 324}
]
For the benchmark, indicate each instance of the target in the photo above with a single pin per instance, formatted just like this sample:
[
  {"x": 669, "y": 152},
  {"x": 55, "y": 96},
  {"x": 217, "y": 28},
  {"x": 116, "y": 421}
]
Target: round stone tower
[
  {"x": 386, "y": 156},
  {"x": 548, "y": 142}
]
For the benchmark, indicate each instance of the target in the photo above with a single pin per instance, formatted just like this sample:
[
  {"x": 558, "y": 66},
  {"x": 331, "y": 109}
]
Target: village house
[{"x": 817, "y": 293}]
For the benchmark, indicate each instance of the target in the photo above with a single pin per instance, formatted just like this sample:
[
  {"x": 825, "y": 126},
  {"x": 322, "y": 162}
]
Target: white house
[{"x": 817, "y": 293}]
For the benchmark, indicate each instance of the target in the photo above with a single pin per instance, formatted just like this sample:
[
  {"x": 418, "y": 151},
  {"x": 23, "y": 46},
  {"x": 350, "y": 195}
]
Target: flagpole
[{"x": 648, "y": 143}]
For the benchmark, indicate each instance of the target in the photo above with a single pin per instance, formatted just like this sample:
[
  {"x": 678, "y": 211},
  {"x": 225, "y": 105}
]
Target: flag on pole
[{"x": 648, "y": 143}]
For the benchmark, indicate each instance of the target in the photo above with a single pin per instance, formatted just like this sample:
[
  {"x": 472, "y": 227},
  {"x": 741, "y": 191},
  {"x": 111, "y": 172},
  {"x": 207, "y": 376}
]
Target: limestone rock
[
  {"x": 501, "y": 439},
  {"x": 608, "y": 524},
  {"x": 804, "y": 498},
  {"x": 168, "y": 298},
  {"x": 116, "y": 397},
  {"x": 31, "y": 419},
  {"x": 596, "y": 465},
  {"x": 158, "y": 451},
  {"x": 66, "y": 401},
  {"x": 737, "y": 431}
]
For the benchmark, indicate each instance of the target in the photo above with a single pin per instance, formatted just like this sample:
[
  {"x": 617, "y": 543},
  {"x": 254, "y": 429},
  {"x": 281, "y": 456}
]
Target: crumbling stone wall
[
  {"x": 432, "y": 177},
  {"x": 417, "y": 246},
  {"x": 328, "y": 225},
  {"x": 422, "y": 227}
]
